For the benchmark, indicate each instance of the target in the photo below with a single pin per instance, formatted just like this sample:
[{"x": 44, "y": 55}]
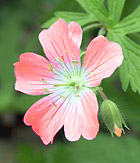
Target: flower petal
[
  {"x": 82, "y": 117},
  {"x": 89, "y": 114},
  {"x": 117, "y": 131},
  {"x": 101, "y": 59},
  {"x": 46, "y": 119},
  {"x": 29, "y": 71},
  {"x": 57, "y": 43},
  {"x": 72, "y": 124},
  {"x": 75, "y": 33}
]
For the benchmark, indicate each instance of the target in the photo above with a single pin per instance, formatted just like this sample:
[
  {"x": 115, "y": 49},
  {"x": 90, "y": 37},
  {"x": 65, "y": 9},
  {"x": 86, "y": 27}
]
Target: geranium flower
[{"x": 70, "y": 103}]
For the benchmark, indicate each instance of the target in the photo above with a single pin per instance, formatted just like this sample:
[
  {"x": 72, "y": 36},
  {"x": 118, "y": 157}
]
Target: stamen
[
  {"x": 77, "y": 96},
  {"x": 75, "y": 61},
  {"x": 77, "y": 88},
  {"x": 57, "y": 59},
  {"x": 62, "y": 58},
  {"x": 63, "y": 97},
  {"x": 47, "y": 91},
  {"x": 53, "y": 103},
  {"x": 43, "y": 81},
  {"x": 69, "y": 84},
  {"x": 88, "y": 65},
  {"x": 51, "y": 67},
  {"x": 72, "y": 57}
]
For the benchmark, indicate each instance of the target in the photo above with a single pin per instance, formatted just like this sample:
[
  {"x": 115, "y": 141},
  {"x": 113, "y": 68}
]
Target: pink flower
[{"x": 70, "y": 102}]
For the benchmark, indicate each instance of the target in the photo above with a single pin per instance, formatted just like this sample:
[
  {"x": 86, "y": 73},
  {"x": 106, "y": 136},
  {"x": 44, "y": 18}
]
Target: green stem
[
  {"x": 102, "y": 31},
  {"x": 100, "y": 90},
  {"x": 82, "y": 53},
  {"x": 91, "y": 26}
]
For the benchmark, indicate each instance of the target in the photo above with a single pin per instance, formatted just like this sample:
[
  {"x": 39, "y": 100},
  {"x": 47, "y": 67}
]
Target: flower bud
[{"x": 112, "y": 117}]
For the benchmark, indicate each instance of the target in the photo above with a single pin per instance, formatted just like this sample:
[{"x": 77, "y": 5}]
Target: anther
[
  {"x": 63, "y": 97},
  {"x": 51, "y": 67},
  {"x": 77, "y": 96},
  {"x": 43, "y": 81},
  {"x": 75, "y": 61},
  {"x": 47, "y": 91},
  {"x": 57, "y": 59},
  {"x": 72, "y": 57},
  {"x": 53, "y": 103}
]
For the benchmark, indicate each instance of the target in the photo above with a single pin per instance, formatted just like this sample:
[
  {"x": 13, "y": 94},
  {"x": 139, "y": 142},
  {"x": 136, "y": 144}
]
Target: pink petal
[
  {"x": 72, "y": 125},
  {"x": 101, "y": 59},
  {"x": 29, "y": 71},
  {"x": 89, "y": 114},
  {"x": 45, "y": 119},
  {"x": 57, "y": 43},
  {"x": 75, "y": 33},
  {"x": 82, "y": 117}
]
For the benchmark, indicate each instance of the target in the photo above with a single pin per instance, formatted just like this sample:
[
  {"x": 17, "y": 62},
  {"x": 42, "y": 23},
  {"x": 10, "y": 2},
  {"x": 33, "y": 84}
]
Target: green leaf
[
  {"x": 115, "y": 9},
  {"x": 130, "y": 69},
  {"x": 97, "y": 8},
  {"x": 84, "y": 5},
  {"x": 135, "y": 37},
  {"x": 130, "y": 24},
  {"x": 80, "y": 18}
]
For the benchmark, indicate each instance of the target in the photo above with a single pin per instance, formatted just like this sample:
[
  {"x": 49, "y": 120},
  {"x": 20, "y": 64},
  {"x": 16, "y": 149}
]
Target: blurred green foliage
[
  {"x": 102, "y": 149},
  {"x": 19, "y": 29}
]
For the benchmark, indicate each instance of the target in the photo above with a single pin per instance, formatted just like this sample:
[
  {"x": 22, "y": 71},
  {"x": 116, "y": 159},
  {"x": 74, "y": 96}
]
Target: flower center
[{"x": 68, "y": 77}]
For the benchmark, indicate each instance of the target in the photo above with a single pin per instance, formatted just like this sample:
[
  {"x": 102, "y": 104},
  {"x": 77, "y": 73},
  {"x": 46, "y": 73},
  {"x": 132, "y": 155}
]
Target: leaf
[
  {"x": 115, "y": 9},
  {"x": 78, "y": 17},
  {"x": 130, "y": 69},
  {"x": 97, "y": 8},
  {"x": 135, "y": 37},
  {"x": 84, "y": 5},
  {"x": 130, "y": 24},
  {"x": 49, "y": 19}
]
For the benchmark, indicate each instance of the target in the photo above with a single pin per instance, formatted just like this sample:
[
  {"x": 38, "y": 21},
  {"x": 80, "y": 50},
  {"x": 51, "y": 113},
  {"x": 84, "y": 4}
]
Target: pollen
[
  {"x": 77, "y": 96},
  {"x": 62, "y": 58},
  {"x": 43, "y": 81},
  {"x": 51, "y": 67},
  {"x": 53, "y": 103}
]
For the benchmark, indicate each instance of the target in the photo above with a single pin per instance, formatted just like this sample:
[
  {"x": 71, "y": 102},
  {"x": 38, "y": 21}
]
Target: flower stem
[
  {"x": 82, "y": 53},
  {"x": 102, "y": 31},
  {"x": 100, "y": 90},
  {"x": 91, "y": 26}
]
